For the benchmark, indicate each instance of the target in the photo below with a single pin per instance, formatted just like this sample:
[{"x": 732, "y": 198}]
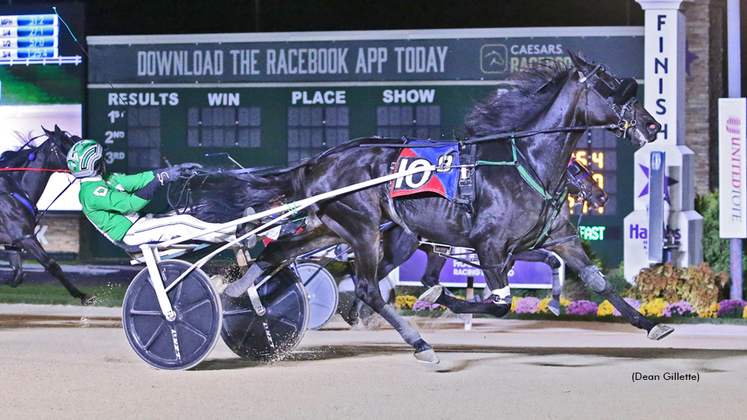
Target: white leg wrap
[{"x": 502, "y": 293}]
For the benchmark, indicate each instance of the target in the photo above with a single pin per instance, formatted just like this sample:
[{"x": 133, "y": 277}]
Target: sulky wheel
[
  {"x": 184, "y": 342},
  {"x": 321, "y": 288},
  {"x": 274, "y": 334}
]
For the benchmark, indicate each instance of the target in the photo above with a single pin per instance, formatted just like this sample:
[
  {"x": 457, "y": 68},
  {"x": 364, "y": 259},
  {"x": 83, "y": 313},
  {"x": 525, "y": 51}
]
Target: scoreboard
[{"x": 276, "y": 98}]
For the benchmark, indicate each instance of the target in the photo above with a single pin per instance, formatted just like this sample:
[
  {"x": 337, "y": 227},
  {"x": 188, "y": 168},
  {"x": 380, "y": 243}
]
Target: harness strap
[
  {"x": 560, "y": 241},
  {"x": 528, "y": 177},
  {"x": 15, "y": 242},
  {"x": 24, "y": 200}
]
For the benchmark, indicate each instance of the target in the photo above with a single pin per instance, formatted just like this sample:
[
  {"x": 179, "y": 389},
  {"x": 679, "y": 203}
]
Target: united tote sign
[{"x": 732, "y": 129}]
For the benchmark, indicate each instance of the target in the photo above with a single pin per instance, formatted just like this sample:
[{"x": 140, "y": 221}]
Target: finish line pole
[{"x": 735, "y": 91}]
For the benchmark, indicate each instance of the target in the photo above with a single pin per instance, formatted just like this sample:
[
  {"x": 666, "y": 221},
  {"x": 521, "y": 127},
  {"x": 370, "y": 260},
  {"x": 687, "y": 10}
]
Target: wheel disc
[
  {"x": 322, "y": 292},
  {"x": 178, "y": 344},
  {"x": 274, "y": 334}
]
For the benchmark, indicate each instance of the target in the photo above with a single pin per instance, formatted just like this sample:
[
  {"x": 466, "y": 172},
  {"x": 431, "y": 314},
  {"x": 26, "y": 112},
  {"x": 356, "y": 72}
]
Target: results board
[{"x": 276, "y": 98}]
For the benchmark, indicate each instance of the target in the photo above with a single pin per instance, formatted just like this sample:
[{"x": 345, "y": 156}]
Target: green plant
[
  {"x": 702, "y": 287},
  {"x": 716, "y": 250},
  {"x": 616, "y": 277}
]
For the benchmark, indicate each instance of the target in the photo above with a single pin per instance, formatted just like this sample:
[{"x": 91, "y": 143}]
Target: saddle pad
[{"x": 443, "y": 181}]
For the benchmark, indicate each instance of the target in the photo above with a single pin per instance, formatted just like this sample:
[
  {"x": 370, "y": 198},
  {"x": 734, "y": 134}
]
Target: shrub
[
  {"x": 582, "y": 307},
  {"x": 716, "y": 250},
  {"x": 732, "y": 308},
  {"x": 616, "y": 278},
  {"x": 680, "y": 308},
  {"x": 659, "y": 281},
  {"x": 527, "y": 305},
  {"x": 697, "y": 285},
  {"x": 744, "y": 313}
]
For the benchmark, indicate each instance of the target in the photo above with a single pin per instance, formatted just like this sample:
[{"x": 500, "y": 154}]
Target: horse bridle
[
  {"x": 621, "y": 96},
  {"x": 576, "y": 173}
]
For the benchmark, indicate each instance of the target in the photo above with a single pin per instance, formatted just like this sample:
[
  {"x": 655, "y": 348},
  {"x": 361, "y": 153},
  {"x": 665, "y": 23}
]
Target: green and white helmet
[{"x": 83, "y": 157}]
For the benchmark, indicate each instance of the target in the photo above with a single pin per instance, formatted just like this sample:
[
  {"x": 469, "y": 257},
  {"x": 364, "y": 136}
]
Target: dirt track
[{"x": 77, "y": 364}]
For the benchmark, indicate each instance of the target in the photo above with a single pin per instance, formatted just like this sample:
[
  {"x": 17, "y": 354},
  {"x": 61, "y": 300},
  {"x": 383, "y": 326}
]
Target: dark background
[{"x": 147, "y": 17}]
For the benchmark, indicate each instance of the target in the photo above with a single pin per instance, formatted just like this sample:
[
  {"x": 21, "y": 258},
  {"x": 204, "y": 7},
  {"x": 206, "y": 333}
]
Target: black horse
[
  {"x": 547, "y": 109},
  {"x": 24, "y": 176},
  {"x": 398, "y": 245},
  {"x": 401, "y": 244}
]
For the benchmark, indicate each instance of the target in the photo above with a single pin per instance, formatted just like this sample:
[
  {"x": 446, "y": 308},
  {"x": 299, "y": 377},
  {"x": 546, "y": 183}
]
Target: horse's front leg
[
  {"x": 14, "y": 258},
  {"x": 34, "y": 248},
  {"x": 578, "y": 261}
]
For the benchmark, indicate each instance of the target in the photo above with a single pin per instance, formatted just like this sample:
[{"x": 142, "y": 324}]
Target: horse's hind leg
[
  {"x": 578, "y": 261},
  {"x": 365, "y": 242},
  {"x": 34, "y": 248}
]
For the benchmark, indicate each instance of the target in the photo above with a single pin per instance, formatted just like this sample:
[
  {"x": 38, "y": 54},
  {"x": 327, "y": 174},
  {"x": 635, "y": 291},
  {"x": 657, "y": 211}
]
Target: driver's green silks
[{"x": 110, "y": 203}]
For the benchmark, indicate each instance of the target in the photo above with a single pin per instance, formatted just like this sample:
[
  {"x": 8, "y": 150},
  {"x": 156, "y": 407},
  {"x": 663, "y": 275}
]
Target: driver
[{"x": 111, "y": 201}]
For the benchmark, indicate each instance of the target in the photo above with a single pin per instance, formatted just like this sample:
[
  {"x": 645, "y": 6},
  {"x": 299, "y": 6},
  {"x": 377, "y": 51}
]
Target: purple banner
[{"x": 528, "y": 275}]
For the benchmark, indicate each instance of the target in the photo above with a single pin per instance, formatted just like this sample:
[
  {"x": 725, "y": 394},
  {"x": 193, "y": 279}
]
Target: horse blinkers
[{"x": 625, "y": 90}]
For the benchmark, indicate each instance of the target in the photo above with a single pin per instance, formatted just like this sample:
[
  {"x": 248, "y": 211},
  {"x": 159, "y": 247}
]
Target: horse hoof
[
  {"x": 554, "y": 307},
  {"x": 88, "y": 300},
  {"x": 431, "y": 295},
  {"x": 660, "y": 331},
  {"x": 17, "y": 280},
  {"x": 427, "y": 356}
]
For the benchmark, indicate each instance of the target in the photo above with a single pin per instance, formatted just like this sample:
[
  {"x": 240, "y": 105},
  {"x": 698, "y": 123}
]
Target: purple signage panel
[{"x": 526, "y": 275}]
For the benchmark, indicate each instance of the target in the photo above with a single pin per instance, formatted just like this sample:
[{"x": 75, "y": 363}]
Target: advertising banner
[
  {"x": 732, "y": 128},
  {"x": 436, "y": 55},
  {"x": 525, "y": 275}
]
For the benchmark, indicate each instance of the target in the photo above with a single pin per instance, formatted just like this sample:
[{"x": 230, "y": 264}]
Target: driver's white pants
[{"x": 165, "y": 228}]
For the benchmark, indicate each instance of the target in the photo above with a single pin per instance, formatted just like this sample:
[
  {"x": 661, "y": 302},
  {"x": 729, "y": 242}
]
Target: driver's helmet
[{"x": 83, "y": 157}]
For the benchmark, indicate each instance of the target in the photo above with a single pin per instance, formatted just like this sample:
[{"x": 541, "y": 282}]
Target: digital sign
[
  {"x": 42, "y": 82},
  {"x": 598, "y": 152}
]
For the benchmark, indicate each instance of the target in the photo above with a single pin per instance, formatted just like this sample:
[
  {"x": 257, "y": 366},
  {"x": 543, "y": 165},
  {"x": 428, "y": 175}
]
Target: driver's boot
[{"x": 240, "y": 286}]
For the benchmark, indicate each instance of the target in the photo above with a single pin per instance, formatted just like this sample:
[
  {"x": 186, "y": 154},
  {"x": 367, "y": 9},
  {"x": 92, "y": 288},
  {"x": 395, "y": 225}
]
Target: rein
[{"x": 34, "y": 169}]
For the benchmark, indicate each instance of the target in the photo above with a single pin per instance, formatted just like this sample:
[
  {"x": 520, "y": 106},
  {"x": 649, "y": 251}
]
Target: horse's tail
[{"x": 224, "y": 197}]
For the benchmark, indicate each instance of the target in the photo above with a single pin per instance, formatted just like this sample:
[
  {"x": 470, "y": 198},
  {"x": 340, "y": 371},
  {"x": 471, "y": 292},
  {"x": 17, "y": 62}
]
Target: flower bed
[{"x": 589, "y": 310}]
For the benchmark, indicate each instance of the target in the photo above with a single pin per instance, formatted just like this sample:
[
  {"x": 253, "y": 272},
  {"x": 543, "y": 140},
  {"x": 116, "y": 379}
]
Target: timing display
[{"x": 31, "y": 39}]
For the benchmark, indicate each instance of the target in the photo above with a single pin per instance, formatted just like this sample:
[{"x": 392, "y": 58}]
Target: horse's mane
[{"x": 518, "y": 101}]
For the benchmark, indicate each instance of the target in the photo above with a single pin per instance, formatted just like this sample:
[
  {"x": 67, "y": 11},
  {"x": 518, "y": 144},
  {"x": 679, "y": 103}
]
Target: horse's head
[
  {"x": 580, "y": 178},
  {"x": 56, "y": 147},
  {"x": 610, "y": 100}
]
